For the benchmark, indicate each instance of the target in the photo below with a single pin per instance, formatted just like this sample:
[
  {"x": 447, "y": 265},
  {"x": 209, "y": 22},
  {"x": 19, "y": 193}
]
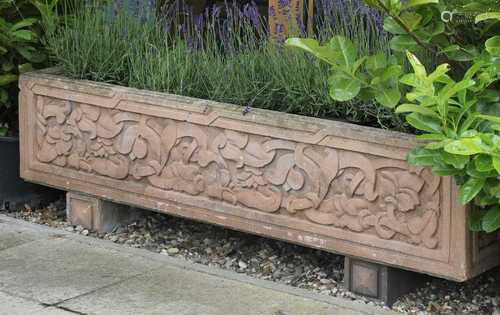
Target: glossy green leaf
[
  {"x": 437, "y": 144},
  {"x": 3, "y": 96},
  {"x": 469, "y": 134},
  {"x": 411, "y": 20},
  {"x": 457, "y": 161},
  {"x": 375, "y": 62},
  {"x": 346, "y": 49},
  {"x": 487, "y": 16},
  {"x": 391, "y": 73},
  {"x": 409, "y": 79},
  {"x": 313, "y": 47},
  {"x": 491, "y": 220},
  {"x": 357, "y": 64},
  {"x": 25, "y": 67},
  {"x": 457, "y": 53},
  {"x": 412, "y": 108},
  {"x": 422, "y": 157},
  {"x": 413, "y": 3},
  {"x": 26, "y": 51},
  {"x": 496, "y": 163},
  {"x": 8, "y": 67},
  {"x": 476, "y": 220},
  {"x": 470, "y": 189},
  {"x": 489, "y": 118},
  {"x": 472, "y": 171},
  {"x": 493, "y": 45},
  {"x": 465, "y": 146},
  {"x": 417, "y": 66},
  {"x": 431, "y": 137},
  {"x": 342, "y": 87},
  {"x": 25, "y": 35},
  {"x": 23, "y": 23},
  {"x": 7, "y": 79},
  {"x": 442, "y": 169},
  {"x": 483, "y": 163},
  {"x": 424, "y": 123},
  {"x": 403, "y": 43},
  {"x": 495, "y": 127},
  {"x": 453, "y": 88},
  {"x": 391, "y": 26},
  {"x": 388, "y": 96},
  {"x": 439, "y": 72}
]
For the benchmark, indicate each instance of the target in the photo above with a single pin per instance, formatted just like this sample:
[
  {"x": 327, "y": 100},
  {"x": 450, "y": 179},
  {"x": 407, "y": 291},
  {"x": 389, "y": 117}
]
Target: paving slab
[
  {"x": 11, "y": 236},
  {"x": 61, "y": 271},
  {"x": 13, "y": 305},
  {"x": 57, "y": 269},
  {"x": 174, "y": 291}
]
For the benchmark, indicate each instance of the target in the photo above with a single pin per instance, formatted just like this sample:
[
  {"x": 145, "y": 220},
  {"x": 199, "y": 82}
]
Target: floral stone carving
[{"x": 324, "y": 185}]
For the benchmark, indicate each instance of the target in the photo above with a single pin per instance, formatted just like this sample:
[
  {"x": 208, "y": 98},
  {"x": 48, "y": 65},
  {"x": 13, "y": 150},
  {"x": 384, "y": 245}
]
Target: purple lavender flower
[
  {"x": 216, "y": 11},
  {"x": 247, "y": 109},
  {"x": 224, "y": 35},
  {"x": 250, "y": 11},
  {"x": 198, "y": 22},
  {"x": 300, "y": 23},
  {"x": 283, "y": 4},
  {"x": 280, "y": 28},
  {"x": 272, "y": 11},
  {"x": 190, "y": 43}
]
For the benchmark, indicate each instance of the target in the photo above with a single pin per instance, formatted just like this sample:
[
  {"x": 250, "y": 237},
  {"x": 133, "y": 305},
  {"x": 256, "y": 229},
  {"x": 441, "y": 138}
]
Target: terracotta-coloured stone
[
  {"x": 95, "y": 214},
  {"x": 320, "y": 183}
]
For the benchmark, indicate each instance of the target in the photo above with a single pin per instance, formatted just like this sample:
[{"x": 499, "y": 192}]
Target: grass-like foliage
[{"x": 224, "y": 54}]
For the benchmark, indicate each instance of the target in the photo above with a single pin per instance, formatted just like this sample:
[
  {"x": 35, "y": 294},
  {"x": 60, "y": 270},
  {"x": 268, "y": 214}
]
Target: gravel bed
[{"x": 274, "y": 260}]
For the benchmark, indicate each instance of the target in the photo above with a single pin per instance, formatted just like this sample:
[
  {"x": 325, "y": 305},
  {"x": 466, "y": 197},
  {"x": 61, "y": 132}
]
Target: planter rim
[{"x": 269, "y": 117}]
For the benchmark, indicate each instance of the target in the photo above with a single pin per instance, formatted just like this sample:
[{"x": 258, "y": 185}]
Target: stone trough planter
[{"x": 324, "y": 184}]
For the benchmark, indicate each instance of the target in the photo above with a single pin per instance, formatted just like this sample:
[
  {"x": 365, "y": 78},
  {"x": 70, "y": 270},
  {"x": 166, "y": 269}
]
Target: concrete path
[{"x": 49, "y": 271}]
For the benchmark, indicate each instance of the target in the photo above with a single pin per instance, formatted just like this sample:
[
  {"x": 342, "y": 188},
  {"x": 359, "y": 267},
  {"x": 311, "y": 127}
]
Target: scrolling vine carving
[{"x": 327, "y": 186}]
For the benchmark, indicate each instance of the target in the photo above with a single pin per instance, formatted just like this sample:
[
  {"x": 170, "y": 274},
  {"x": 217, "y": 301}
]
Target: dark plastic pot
[{"x": 14, "y": 191}]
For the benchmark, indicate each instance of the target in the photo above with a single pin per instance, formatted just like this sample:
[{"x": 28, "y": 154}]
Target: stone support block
[
  {"x": 378, "y": 281},
  {"x": 96, "y": 214}
]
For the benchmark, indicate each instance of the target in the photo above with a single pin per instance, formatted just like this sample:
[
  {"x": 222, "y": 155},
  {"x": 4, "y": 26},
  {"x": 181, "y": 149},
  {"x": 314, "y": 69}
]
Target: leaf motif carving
[
  {"x": 46, "y": 153},
  {"x": 126, "y": 141},
  {"x": 255, "y": 156},
  {"x": 140, "y": 148},
  {"x": 295, "y": 179},
  {"x": 90, "y": 112},
  {"x": 107, "y": 128},
  {"x": 238, "y": 139},
  {"x": 89, "y": 127},
  {"x": 341, "y": 189},
  {"x": 115, "y": 167},
  {"x": 265, "y": 199},
  {"x": 168, "y": 140},
  {"x": 278, "y": 175}
]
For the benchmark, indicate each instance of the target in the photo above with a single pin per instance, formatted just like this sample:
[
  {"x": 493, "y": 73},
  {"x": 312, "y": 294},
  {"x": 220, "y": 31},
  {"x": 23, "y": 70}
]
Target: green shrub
[
  {"x": 22, "y": 24},
  {"x": 456, "y": 106}
]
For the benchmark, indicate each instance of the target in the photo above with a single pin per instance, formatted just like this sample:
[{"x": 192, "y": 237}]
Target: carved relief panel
[{"x": 326, "y": 186}]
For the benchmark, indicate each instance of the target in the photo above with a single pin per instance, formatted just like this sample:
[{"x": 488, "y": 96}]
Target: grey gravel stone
[{"x": 173, "y": 251}]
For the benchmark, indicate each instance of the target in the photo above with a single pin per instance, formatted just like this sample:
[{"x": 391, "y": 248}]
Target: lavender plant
[{"x": 223, "y": 54}]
